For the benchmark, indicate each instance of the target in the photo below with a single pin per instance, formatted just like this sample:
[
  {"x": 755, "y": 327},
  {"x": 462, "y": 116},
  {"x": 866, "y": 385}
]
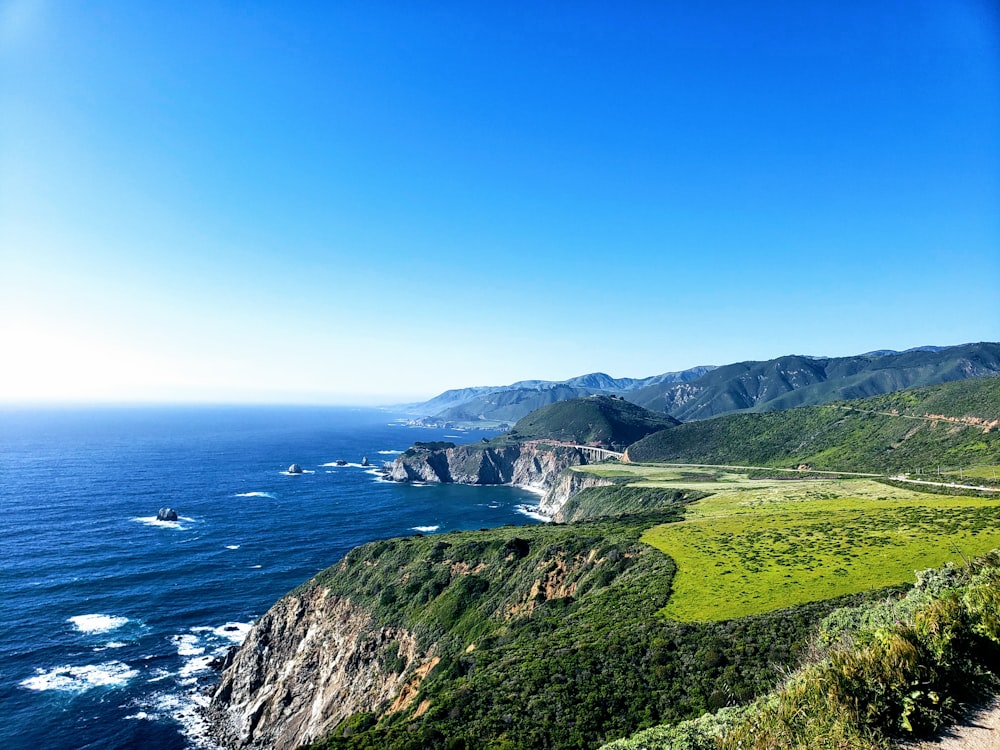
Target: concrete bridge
[{"x": 596, "y": 454}]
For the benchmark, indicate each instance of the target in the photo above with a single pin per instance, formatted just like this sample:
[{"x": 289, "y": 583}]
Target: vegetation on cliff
[
  {"x": 549, "y": 637},
  {"x": 877, "y": 673},
  {"x": 621, "y": 499}
]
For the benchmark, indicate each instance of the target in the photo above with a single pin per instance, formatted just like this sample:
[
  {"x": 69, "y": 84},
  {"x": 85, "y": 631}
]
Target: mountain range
[{"x": 708, "y": 391}]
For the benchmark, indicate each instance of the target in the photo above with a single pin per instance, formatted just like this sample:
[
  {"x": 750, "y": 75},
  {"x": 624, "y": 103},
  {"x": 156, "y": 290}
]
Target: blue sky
[{"x": 372, "y": 201}]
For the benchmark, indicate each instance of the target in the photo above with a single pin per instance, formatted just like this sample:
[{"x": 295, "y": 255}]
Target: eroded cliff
[
  {"x": 310, "y": 662},
  {"x": 534, "y": 465}
]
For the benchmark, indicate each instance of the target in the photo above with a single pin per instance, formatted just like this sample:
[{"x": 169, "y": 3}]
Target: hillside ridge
[{"x": 706, "y": 391}]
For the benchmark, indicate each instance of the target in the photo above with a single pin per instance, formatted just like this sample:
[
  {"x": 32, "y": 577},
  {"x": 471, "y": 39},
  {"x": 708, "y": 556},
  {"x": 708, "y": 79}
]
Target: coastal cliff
[
  {"x": 563, "y": 487},
  {"x": 434, "y": 642},
  {"x": 533, "y": 465},
  {"x": 309, "y": 663}
]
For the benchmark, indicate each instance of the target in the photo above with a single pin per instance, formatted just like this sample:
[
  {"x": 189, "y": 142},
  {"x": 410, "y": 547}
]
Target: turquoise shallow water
[{"x": 110, "y": 619}]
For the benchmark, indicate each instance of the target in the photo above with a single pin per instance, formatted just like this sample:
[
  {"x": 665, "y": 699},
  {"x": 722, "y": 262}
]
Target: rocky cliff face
[
  {"x": 312, "y": 661},
  {"x": 533, "y": 465},
  {"x": 567, "y": 484}
]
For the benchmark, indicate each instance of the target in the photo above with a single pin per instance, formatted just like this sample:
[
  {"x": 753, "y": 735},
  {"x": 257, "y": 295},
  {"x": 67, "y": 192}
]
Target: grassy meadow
[{"x": 756, "y": 545}]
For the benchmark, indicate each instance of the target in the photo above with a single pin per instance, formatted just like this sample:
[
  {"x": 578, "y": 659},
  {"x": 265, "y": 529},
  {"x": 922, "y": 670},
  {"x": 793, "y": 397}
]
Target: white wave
[
  {"x": 453, "y": 436},
  {"x": 235, "y": 632},
  {"x": 531, "y": 511},
  {"x": 97, "y": 623},
  {"x": 256, "y": 567},
  {"x": 419, "y": 484},
  {"x": 389, "y": 453},
  {"x": 232, "y": 546},
  {"x": 193, "y": 667},
  {"x": 534, "y": 489},
  {"x": 348, "y": 465},
  {"x": 188, "y": 710},
  {"x": 154, "y": 521},
  {"x": 297, "y": 473},
  {"x": 257, "y": 494},
  {"x": 140, "y": 715},
  {"x": 78, "y": 679},
  {"x": 187, "y": 645},
  {"x": 425, "y": 529}
]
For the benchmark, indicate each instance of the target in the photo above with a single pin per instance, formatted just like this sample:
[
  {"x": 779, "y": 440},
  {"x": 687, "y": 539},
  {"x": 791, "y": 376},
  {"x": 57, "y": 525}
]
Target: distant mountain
[
  {"x": 704, "y": 392},
  {"x": 797, "y": 380},
  {"x": 509, "y": 403},
  {"x": 889, "y": 352}
]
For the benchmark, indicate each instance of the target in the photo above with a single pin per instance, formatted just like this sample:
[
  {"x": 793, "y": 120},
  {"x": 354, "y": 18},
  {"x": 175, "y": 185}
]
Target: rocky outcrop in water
[
  {"x": 166, "y": 514},
  {"x": 310, "y": 662},
  {"x": 294, "y": 469}
]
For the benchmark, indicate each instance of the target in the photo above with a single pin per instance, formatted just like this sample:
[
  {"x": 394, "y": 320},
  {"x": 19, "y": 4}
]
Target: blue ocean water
[{"x": 110, "y": 618}]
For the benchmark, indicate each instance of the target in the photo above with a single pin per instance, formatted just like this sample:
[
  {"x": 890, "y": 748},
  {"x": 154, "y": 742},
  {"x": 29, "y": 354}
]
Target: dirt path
[{"x": 981, "y": 731}]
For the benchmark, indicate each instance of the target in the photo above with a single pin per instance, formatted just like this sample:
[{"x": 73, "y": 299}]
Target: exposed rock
[
  {"x": 534, "y": 465},
  {"x": 166, "y": 514},
  {"x": 309, "y": 663},
  {"x": 566, "y": 485},
  {"x": 294, "y": 469}
]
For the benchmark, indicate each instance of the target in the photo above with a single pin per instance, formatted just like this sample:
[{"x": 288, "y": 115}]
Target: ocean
[{"x": 111, "y": 619}]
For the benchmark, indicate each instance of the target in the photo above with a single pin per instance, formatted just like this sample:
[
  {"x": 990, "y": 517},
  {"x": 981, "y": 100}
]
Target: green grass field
[{"x": 759, "y": 545}]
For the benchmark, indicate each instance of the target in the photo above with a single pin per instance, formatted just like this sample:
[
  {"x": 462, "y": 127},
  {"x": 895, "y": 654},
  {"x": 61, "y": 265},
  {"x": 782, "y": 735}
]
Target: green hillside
[
  {"x": 549, "y": 637},
  {"x": 889, "y": 433},
  {"x": 792, "y": 381},
  {"x": 604, "y": 421},
  {"x": 900, "y": 669}
]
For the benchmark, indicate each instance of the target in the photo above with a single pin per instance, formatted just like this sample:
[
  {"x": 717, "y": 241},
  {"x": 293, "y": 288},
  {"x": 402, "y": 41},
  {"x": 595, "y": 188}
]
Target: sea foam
[
  {"x": 154, "y": 521},
  {"x": 78, "y": 679},
  {"x": 97, "y": 623},
  {"x": 270, "y": 495},
  {"x": 425, "y": 529},
  {"x": 531, "y": 511}
]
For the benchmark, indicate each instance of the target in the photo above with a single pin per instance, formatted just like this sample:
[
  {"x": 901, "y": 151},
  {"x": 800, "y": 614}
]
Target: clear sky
[{"x": 374, "y": 201}]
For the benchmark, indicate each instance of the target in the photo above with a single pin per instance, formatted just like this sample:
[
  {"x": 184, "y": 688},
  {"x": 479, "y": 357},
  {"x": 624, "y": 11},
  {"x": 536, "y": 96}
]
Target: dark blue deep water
[{"x": 109, "y": 619}]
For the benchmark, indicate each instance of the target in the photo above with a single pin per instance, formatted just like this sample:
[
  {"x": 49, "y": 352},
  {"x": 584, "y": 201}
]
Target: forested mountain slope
[{"x": 952, "y": 424}]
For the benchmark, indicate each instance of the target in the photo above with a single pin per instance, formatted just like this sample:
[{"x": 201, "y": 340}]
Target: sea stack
[
  {"x": 166, "y": 514},
  {"x": 364, "y": 460},
  {"x": 294, "y": 469}
]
